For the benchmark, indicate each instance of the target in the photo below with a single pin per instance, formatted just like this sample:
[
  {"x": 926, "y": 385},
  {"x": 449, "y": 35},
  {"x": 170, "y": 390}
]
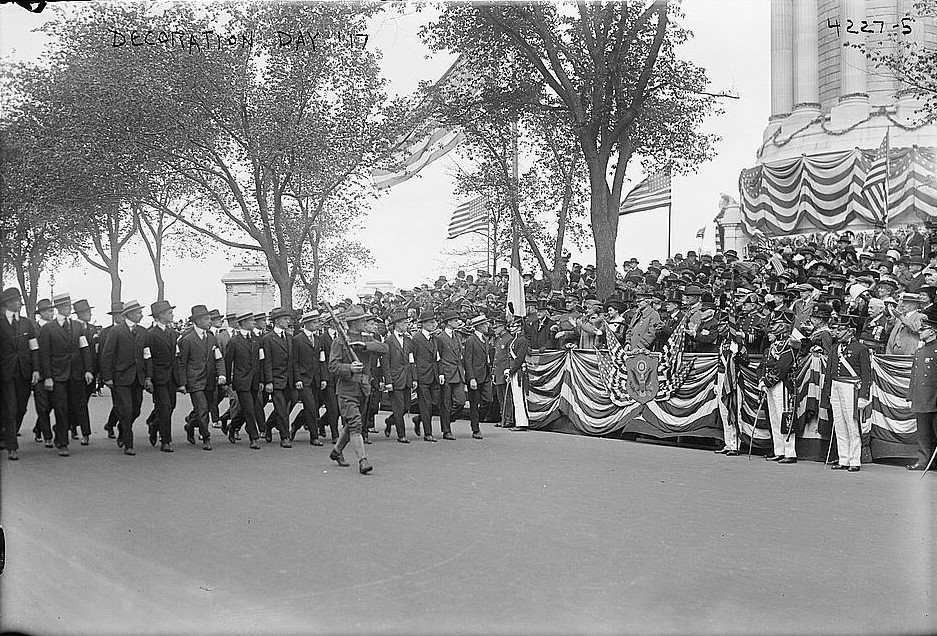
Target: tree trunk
[
  {"x": 283, "y": 280},
  {"x": 31, "y": 295},
  {"x": 116, "y": 283},
  {"x": 604, "y": 228}
]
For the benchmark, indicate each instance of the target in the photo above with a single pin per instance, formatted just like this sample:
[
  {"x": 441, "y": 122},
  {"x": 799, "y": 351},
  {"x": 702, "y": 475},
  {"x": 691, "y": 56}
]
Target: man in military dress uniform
[
  {"x": 776, "y": 380},
  {"x": 851, "y": 372},
  {"x": 922, "y": 391}
]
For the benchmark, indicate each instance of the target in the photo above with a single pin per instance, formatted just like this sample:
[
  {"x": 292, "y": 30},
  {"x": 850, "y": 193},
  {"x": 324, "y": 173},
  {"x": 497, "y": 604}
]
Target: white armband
[
  {"x": 411, "y": 358},
  {"x": 33, "y": 344},
  {"x": 322, "y": 356},
  {"x": 437, "y": 357},
  {"x": 146, "y": 353},
  {"x": 218, "y": 355},
  {"x": 177, "y": 348},
  {"x": 82, "y": 342},
  {"x": 261, "y": 354}
]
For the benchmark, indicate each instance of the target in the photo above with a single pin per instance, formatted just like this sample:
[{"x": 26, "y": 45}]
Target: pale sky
[{"x": 406, "y": 230}]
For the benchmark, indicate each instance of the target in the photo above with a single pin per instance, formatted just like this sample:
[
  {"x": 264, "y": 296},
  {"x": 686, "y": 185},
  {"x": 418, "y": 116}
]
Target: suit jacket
[
  {"x": 643, "y": 329},
  {"x": 101, "y": 341},
  {"x": 242, "y": 362},
  {"x": 450, "y": 357},
  {"x": 922, "y": 390},
  {"x": 19, "y": 349},
  {"x": 200, "y": 361},
  {"x": 540, "y": 336},
  {"x": 122, "y": 356},
  {"x": 276, "y": 367},
  {"x": 222, "y": 335},
  {"x": 501, "y": 358},
  {"x": 64, "y": 353},
  {"x": 326, "y": 339},
  {"x": 776, "y": 366},
  {"x": 425, "y": 354},
  {"x": 398, "y": 370},
  {"x": 162, "y": 365},
  {"x": 307, "y": 366},
  {"x": 477, "y": 360}
]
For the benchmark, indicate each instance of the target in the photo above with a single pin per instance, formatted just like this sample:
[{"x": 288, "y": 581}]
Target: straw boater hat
[
  {"x": 478, "y": 320},
  {"x": 247, "y": 315},
  {"x": 129, "y": 306},
  {"x": 309, "y": 316},
  {"x": 159, "y": 307}
]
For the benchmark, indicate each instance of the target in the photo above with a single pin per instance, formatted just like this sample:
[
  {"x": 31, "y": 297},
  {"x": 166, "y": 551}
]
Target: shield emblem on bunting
[{"x": 642, "y": 377}]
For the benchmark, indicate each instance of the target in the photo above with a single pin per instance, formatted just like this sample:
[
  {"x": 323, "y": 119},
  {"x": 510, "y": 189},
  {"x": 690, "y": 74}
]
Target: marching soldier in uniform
[
  {"x": 202, "y": 367},
  {"x": 19, "y": 367},
  {"x": 922, "y": 391},
  {"x": 399, "y": 373},
  {"x": 162, "y": 373},
  {"x": 426, "y": 357},
  {"x": 477, "y": 371},
  {"x": 277, "y": 374},
  {"x": 42, "y": 399},
  {"x": 66, "y": 367},
  {"x": 776, "y": 380},
  {"x": 122, "y": 369},
  {"x": 353, "y": 381},
  {"x": 851, "y": 370},
  {"x": 242, "y": 367},
  {"x": 307, "y": 375},
  {"x": 451, "y": 372}
]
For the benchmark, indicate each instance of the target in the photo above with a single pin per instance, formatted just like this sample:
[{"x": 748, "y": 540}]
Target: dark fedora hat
[
  {"x": 277, "y": 312},
  {"x": 822, "y": 310},
  {"x": 674, "y": 296},
  {"x": 81, "y": 305},
  {"x": 43, "y": 304},
  {"x": 427, "y": 315},
  {"x": 397, "y": 316},
  {"x": 198, "y": 311},
  {"x": 116, "y": 308},
  {"x": 446, "y": 316},
  {"x": 10, "y": 293}
]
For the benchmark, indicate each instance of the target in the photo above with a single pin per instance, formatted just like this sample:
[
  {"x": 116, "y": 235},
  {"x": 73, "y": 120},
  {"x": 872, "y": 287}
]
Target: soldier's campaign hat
[
  {"x": 356, "y": 312},
  {"x": 446, "y": 316},
  {"x": 822, "y": 310},
  {"x": 60, "y": 300},
  {"x": 81, "y": 305},
  {"x": 116, "y": 308},
  {"x": 312, "y": 314},
  {"x": 247, "y": 315},
  {"x": 396, "y": 317},
  {"x": 43, "y": 304},
  {"x": 198, "y": 311},
  {"x": 478, "y": 320},
  {"x": 214, "y": 313},
  {"x": 129, "y": 306},
  {"x": 10, "y": 293}
]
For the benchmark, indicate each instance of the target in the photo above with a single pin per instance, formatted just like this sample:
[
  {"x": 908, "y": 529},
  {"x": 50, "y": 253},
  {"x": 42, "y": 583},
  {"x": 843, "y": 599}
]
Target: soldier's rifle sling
[{"x": 339, "y": 327}]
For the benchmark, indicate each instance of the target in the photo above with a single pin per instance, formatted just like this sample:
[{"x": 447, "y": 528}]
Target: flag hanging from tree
[
  {"x": 653, "y": 192},
  {"x": 876, "y": 181},
  {"x": 471, "y": 216}
]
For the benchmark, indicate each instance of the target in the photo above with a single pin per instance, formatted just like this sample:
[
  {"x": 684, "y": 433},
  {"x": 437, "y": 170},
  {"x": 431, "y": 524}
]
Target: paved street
[{"x": 519, "y": 533}]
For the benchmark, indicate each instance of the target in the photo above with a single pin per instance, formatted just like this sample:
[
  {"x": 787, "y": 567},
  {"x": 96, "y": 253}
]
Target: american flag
[
  {"x": 876, "y": 181},
  {"x": 652, "y": 192},
  {"x": 701, "y": 233},
  {"x": 471, "y": 216},
  {"x": 752, "y": 181}
]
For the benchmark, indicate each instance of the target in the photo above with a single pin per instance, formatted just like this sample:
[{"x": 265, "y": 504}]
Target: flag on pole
[
  {"x": 516, "y": 306},
  {"x": 471, "y": 216},
  {"x": 653, "y": 192},
  {"x": 701, "y": 233},
  {"x": 876, "y": 181}
]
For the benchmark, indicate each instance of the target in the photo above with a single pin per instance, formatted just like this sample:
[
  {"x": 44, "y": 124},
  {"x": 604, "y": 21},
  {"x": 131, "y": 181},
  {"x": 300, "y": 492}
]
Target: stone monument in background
[{"x": 249, "y": 288}]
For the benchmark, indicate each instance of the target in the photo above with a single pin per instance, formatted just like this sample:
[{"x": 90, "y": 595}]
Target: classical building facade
[{"x": 249, "y": 288}]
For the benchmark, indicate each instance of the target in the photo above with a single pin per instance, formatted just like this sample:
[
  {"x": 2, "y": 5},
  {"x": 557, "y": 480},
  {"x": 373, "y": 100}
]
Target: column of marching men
[{"x": 308, "y": 362}]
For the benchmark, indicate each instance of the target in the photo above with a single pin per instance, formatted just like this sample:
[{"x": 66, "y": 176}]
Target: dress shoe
[
  {"x": 154, "y": 434},
  {"x": 231, "y": 437},
  {"x": 498, "y": 425},
  {"x": 224, "y": 427},
  {"x": 120, "y": 443},
  {"x": 38, "y": 439},
  {"x": 477, "y": 436},
  {"x": 12, "y": 456},
  {"x": 787, "y": 460},
  {"x": 429, "y": 438},
  {"x": 448, "y": 436},
  {"x": 364, "y": 467},
  {"x": 84, "y": 440},
  {"x": 129, "y": 451},
  {"x": 338, "y": 457},
  {"x": 63, "y": 452},
  {"x": 110, "y": 433},
  {"x": 189, "y": 433},
  {"x": 216, "y": 424},
  {"x": 403, "y": 440},
  {"x": 292, "y": 434},
  {"x": 268, "y": 437},
  {"x": 367, "y": 440},
  {"x": 237, "y": 435},
  {"x": 838, "y": 467},
  {"x": 917, "y": 466},
  {"x": 518, "y": 429},
  {"x": 387, "y": 431},
  {"x": 166, "y": 447},
  {"x": 855, "y": 469},
  {"x": 49, "y": 443},
  {"x": 255, "y": 445},
  {"x": 315, "y": 441},
  {"x": 74, "y": 435},
  {"x": 206, "y": 445},
  {"x": 722, "y": 451},
  {"x": 732, "y": 453},
  {"x": 371, "y": 429},
  {"x": 773, "y": 458},
  {"x": 285, "y": 443}
]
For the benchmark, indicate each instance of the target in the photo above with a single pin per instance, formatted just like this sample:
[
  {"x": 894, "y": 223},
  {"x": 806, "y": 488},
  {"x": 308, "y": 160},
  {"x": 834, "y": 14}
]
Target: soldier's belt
[{"x": 850, "y": 380}]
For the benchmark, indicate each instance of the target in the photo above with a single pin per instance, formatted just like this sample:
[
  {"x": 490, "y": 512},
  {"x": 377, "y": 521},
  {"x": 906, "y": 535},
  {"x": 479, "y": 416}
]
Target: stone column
[
  {"x": 782, "y": 51},
  {"x": 853, "y": 99},
  {"x": 806, "y": 59},
  {"x": 734, "y": 237},
  {"x": 908, "y": 102}
]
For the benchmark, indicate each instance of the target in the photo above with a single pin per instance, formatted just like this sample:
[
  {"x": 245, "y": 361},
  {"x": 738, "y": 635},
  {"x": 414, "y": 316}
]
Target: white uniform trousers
[
  {"x": 784, "y": 444},
  {"x": 520, "y": 401},
  {"x": 848, "y": 437},
  {"x": 728, "y": 429}
]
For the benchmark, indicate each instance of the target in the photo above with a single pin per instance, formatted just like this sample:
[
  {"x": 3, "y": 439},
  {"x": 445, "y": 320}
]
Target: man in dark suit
[
  {"x": 242, "y": 368},
  {"x": 122, "y": 369},
  {"x": 202, "y": 366},
  {"x": 222, "y": 335},
  {"x": 425, "y": 355},
  {"x": 451, "y": 372},
  {"x": 922, "y": 390},
  {"x": 399, "y": 373},
  {"x": 501, "y": 362},
  {"x": 277, "y": 374},
  {"x": 307, "y": 376},
  {"x": 326, "y": 396},
  {"x": 66, "y": 368},
  {"x": 41, "y": 398},
  {"x": 89, "y": 332},
  {"x": 541, "y": 331},
  {"x": 477, "y": 371},
  {"x": 19, "y": 367},
  {"x": 116, "y": 319},
  {"x": 162, "y": 373}
]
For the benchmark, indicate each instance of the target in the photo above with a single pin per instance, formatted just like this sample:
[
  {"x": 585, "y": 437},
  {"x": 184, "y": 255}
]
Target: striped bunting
[
  {"x": 876, "y": 181},
  {"x": 471, "y": 216},
  {"x": 825, "y": 192},
  {"x": 653, "y": 192}
]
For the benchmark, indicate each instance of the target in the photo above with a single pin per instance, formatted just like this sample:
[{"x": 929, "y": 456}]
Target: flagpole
[
  {"x": 887, "y": 152},
  {"x": 669, "y": 206}
]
